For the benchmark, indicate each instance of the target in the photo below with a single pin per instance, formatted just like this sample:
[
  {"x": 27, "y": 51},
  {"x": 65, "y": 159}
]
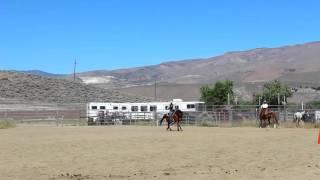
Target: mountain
[
  {"x": 296, "y": 65},
  {"x": 257, "y": 65},
  {"x": 22, "y": 87},
  {"x": 41, "y": 73}
]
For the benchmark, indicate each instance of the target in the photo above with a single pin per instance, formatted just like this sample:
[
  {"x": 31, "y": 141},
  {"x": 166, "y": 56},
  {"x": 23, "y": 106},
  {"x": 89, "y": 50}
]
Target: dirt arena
[{"x": 122, "y": 152}]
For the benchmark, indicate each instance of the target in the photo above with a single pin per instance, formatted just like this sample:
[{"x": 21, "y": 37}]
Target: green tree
[
  {"x": 272, "y": 90},
  {"x": 217, "y": 94},
  {"x": 313, "y": 104}
]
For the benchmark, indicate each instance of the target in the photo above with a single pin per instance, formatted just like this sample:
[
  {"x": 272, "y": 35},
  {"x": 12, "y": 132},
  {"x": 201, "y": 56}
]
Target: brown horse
[
  {"x": 177, "y": 118},
  {"x": 266, "y": 114}
]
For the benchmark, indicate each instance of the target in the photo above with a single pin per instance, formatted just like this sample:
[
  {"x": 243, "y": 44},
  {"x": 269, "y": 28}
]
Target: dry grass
[{"x": 6, "y": 124}]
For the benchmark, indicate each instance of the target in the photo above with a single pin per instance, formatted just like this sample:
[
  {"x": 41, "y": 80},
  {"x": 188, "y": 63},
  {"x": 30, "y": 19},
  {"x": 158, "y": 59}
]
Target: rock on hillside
[{"x": 27, "y": 88}]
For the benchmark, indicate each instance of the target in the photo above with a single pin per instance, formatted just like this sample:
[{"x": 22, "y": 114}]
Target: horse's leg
[
  {"x": 261, "y": 123},
  {"x": 180, "y": 126},
  {"x": 175, "y": 121},
  {"x": 301, "y": 123},
  {"x": 274, "y": 121}
]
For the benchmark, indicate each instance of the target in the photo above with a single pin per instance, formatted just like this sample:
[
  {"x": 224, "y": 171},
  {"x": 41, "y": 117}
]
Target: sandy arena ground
[{"x": 122, "y": 152}]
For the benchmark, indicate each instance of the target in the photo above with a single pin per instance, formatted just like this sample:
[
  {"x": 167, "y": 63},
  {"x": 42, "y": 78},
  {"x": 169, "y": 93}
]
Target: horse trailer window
[
  {"x": 134, "y": 108},
  {"x": 190, "y": 106},
  {"x": 94, "y": 107},
  {"x": 153, "y": 108},
  {"x": 102, "y": 107},
  {"x": 124, "y": 108},
  {"x": 144, "y": 108},
  {"x": 115, "y": 107}
]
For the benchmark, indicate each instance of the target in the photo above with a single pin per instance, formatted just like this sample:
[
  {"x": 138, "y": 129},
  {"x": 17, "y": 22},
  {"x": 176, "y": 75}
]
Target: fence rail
[{"x": 205, "y": 116}]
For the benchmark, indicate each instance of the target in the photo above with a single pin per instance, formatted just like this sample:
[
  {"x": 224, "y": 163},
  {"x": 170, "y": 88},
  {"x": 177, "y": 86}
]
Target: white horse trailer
[{"x": 144, "y": 110}]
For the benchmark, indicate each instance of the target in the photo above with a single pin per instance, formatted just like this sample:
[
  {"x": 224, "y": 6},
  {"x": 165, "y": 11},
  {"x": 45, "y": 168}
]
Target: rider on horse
[{"x": 264, "y": 107}]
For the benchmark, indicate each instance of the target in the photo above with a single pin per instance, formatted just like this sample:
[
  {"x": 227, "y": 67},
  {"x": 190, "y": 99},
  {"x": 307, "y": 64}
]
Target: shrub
[{"x": 6, "y": 124}]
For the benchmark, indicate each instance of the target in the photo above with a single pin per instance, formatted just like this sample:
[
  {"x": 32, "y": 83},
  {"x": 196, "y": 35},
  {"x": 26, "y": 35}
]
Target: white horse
[{"x": 299, "y": 116}]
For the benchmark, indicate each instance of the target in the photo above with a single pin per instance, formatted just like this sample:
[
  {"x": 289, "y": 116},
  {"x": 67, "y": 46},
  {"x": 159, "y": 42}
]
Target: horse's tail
[{"x": 163, "y": 117}]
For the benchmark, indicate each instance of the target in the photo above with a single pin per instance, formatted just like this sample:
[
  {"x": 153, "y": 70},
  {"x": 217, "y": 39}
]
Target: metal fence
[
  {"x": 206, "y": 115},
  {"x": 44, "y": 117}
]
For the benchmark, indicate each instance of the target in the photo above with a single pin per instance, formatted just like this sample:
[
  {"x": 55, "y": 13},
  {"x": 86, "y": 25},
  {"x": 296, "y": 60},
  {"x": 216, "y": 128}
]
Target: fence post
[
  {"x": 6, "y": 114},
  {"x": 135, "y": 119},
  {"x": 155, "y": 117},
  {"x": 230, "y": 114},
  {"x": 79, "y": 115},
  {"x": 285, "y": 113},
  {"x": 188, "y": 121},
  {"x": 57, "y": 117},
  {"x": 257, "y": 117}
]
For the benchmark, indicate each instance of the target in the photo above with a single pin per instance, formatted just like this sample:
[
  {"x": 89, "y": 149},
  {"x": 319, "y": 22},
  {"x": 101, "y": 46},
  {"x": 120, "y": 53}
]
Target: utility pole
[
  {"x": 259, "y": 100},
  {"x": 74, "y": 70},
  {"x": 155, "y": 90}
]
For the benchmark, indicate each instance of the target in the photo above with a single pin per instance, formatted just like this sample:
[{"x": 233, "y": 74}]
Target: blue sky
[{"x": 111, "y": 34}]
